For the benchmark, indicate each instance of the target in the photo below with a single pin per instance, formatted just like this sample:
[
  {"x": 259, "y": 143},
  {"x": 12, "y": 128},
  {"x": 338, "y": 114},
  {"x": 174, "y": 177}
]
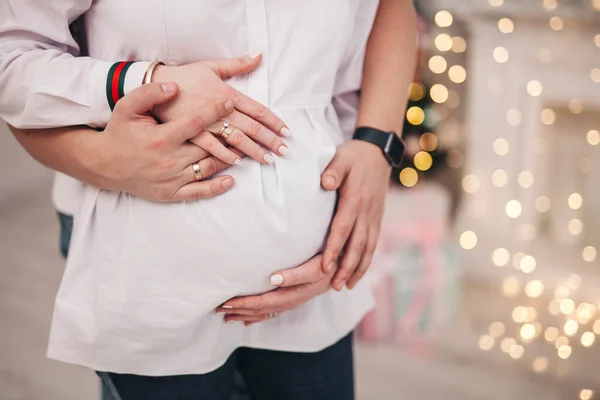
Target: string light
[
  {"x": 443, "y": 19},
  {"x": 486, "y": 342},
  {"x": 499, "y": 178},
  {"x": 575, "y": 201},
  {"x": 423, "y": 160},
  {"x": 409, "y": 177},
  {"x": 586, "y": 394},
  {"x": 443, "y": 42},
  {"x": 468, "y": 240},
  {"x": 514, "y": 208},
  {"x": 593, "y": 137},
  {"x": 534, "y": 88},
  {"x": 500, "y": 257},
  {"x": 589, "y": 253},
  {"x": 428, "y": 141},
  {"x": 500, "y": 55},
  {"x": 587, "y": 339},
  {"x": 534, "y": 289},
  {"x": 595, "y": 75},
  {"x": 576, "y": 106},
  {"x": 556, "y": 23},
  {"x": 416, "y": 91},
  {"x": 540, "y": 364},
  {"x": 457, "y": 74},
  {"x": 525, "y": 179},
  {"x": 551, "y": 334},
  {"x": 470, "y": 183},
  {"x": 501, "y": 146},
  {"x": 542, "y": 204},
  {"x": 459, "y": 44},
  {"x": 506, "y": 25},
  {"x": 497, "y": 329},
  {"x": 513, "y": 117},
  {"x": 511, "y": 286},
  {"x": 549, "y": 4},
  {"x": 437, "y": 64},
  {"x": 548, "y": 116},
  {"x": 496, "y": 3},
  {"x": 597, "y": 40},
  {"x": 415, "y": 115}
]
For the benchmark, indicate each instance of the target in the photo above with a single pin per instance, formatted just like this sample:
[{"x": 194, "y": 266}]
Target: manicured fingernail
[
  {"x": 340, "y": 285},
  {"x": 286, "y": 132},
  {"x": 268, "y": 159},
  {"x": 230, "y": 321},
  {"x": 227, "y": 183},
  {"x": 229, "y": 105},
  {"x": 237, "y": 162},
  {"x": 254, "y": 54},
  {"x": 169, "y": 87},
  {"x": 330, "y": 180},
  {"x": 276, "y": 279},
  {"x": 227, "y": 307},
  {"x": 283, "y": 150}
]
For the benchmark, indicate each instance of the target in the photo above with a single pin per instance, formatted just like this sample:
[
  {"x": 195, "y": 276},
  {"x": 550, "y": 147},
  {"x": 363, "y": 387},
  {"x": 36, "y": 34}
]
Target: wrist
[{"x": 162, "y": 74}]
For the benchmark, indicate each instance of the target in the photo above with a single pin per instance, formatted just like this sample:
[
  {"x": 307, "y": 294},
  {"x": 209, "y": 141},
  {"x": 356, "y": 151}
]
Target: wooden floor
[{"x": 449, "y": 367}]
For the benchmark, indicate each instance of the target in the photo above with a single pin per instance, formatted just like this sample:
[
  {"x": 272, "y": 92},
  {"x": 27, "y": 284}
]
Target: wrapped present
[{"x": 415, "y": 272}]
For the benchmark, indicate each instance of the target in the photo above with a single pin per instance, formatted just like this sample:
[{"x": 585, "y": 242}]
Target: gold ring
[
  {"x": 272, "y": 315},
  {"x": 197, "y": 173},
  {"x": 226, "y": 130}
]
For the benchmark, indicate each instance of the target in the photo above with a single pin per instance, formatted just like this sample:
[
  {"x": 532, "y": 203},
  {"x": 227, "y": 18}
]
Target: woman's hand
[
  {"x": 258, "y": 129},
  {"x": 362, "y": 175},
  {"x": 296, "y": 286}
]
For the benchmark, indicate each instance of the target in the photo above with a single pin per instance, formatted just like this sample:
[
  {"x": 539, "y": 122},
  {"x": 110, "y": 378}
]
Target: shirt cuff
[
  {"x": 135, "y": 76},
  {"x": 99, "y": 110}
]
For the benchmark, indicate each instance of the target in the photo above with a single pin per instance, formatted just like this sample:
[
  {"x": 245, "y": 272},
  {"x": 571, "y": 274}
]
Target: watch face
[{"x": 395, "y": 151}]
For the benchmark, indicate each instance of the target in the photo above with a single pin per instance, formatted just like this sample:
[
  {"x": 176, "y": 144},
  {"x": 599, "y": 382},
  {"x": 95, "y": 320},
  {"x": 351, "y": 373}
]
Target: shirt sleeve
[
  {"x": 43, "y": 82},
  {"x": 346, "y": 96}
]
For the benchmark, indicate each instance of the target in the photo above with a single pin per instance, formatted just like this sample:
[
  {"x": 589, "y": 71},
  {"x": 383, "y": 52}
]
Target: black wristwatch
[{"x": 391, "y": 145}]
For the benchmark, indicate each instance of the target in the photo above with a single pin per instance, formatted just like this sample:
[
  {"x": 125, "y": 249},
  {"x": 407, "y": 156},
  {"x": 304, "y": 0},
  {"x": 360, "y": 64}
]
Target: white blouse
[{"x": 142, "y": 278}]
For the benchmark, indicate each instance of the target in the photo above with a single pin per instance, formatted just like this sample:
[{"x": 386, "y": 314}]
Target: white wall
[{"x": 18, "y": 171}]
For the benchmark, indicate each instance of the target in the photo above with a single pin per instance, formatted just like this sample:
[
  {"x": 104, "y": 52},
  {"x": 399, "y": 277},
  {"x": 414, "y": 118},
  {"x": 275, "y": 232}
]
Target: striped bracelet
[{"x": 115, "y": 82}]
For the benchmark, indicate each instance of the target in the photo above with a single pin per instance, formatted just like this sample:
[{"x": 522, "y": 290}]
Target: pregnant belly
[{"x": 207, "y": 251}]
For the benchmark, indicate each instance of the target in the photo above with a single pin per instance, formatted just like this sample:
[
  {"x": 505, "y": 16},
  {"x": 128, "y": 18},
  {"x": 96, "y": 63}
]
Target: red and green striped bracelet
[{"x": 115, "y": 82}]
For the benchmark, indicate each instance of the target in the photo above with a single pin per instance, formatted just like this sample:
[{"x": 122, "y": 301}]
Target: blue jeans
[{"x": 248, "y": 374}]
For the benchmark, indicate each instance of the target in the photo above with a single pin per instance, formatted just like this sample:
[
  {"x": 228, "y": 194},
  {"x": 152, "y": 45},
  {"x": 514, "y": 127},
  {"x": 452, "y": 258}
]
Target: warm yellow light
[
  {"x": 548, "y": 116},
  {"x": 596, "y": 5},
  {"x": 589, "y": 253},
  {"x": 497, "y": 329},
  {"x": 586, "y": 394},
  {"x": 519, "y": 314},
  {"x": 459, "y": 44},
  {"x": 545, "y": 55},
  {"x": 470, "y": 183},
  {"x": 564, "y": 352},
  {"x": 567, "y": 306},
  {"x": 443, "y": 19},
  {"x": 585, "y": 312},
  {"x": 438, "y": 64},
  {"x": 499, "y": 178},
  {"x": 517, "y": 259},
  {"x": 561, "y": 293},
  {"x": 575, "y": 226},
  {"x": 542, "y": 204},
  {"x": 443, "y": 42},
  {"x": 527, "y": 332},
  {"x": 501, "y": 146},
  {"x": 575, "y": 201},
  {"x": 468, "y": 240},
  {"x": 570, "y": 328},
  {"x": 540, "y": 364},
  {"x": 500, "y": 257},
  {"x": 551, "y": 334},
  {"x": 416, "y": 91},
  {"x": 576, "y": 106},
  {"x": 513, "y": 117},
  {"x": 525, "y": 179},
  {"x": 510, "y": 286},
  {"x": 513, "y": 208},
  {"x": 534, "y": 289},
  {"x": 415, "y": 115},
  {"x": 486, "y": 342},
  {"x": 528, "y": 264},
  {"x": 593, "y": 137},
  {"x": 496, "y": 3},
  {"x": 534, "y": 88},
  {"x": 500, "y": 54},
  {"x": 457, "y": 74},
  {"x": 597, "y": 40},
  {"x": 527, "y": 231},
  {"x": 595, "y": 75},
  {"x": 423, "y": 160},
  {"x": 507, "y": 344},
  {"x": 556, "y": 23},
  {"x": 516, "y": 351},
  {"x": 550, "y": 4},
  {"x": 554, "y": 307},
  {"x": 409, "y": 177},
  {"x": 574, "y": 282},
  {"x": 506, "y": 25},
  {"x": 561, "y": 341},
  {"x": 596, "y": 327},
  {"x": 587, "y": 339},
  {"x": 428, "y": 141},
  {"x": 439, "y": 93}
]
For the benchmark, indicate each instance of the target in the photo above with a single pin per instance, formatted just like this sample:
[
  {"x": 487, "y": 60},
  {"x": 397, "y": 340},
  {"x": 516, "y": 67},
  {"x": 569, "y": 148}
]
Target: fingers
[
  {"x": 260, "y": 113},
  {"x": 341, "y": 228},
  {"x": 240, "y": 141},
  {"x": 203, "y": 189},
  {"x": 258, "y": 304},
  {"x": 247, "y": 319},
  {"x": 193, "y": 122},
  {"x": 258, "y": 133},
  {"x": 144, "y": 98},
  {"x": 211, "y": 144},
  {"x": 367, "y": 258},
  {"x": 309, "y": 272},
  {"x": 336, "y": 173},
  {"x": 227, "y": 68},
  {"x": 354, "y": 253}
]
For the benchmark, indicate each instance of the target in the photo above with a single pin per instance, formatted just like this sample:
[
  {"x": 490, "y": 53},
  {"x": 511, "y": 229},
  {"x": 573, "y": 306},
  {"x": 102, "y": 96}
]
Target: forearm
[
  {"x": 389, "y": 66},
  {"x": 67, "y": 150}
]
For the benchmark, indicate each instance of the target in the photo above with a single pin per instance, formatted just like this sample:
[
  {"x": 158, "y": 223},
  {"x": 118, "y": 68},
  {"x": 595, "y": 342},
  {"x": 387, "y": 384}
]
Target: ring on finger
[
  {"x": 272, "y": 315},
  {"x": 197, "y": 172},
  {"x": 227, "y": 130}
]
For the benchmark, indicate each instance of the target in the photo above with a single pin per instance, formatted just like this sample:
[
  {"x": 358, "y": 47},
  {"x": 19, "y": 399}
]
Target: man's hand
[
  {"x": 138, "y": 156},
  {"x": 361, "y": 173},
  {"x": 296, "y": 286},
  {"x": 258, "y": 128}
]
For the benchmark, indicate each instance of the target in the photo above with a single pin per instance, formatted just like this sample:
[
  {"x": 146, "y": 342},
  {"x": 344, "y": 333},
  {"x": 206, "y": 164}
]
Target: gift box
[{"x": 415, "y": 271}]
